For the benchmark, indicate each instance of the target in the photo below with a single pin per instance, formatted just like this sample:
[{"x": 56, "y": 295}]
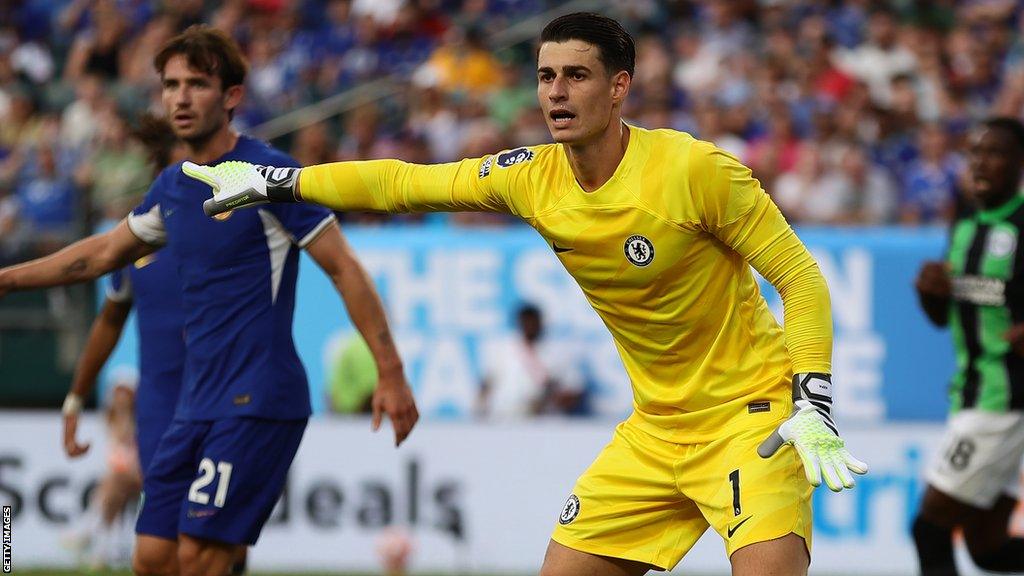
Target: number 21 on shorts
[{"x": 207, "y": 472}]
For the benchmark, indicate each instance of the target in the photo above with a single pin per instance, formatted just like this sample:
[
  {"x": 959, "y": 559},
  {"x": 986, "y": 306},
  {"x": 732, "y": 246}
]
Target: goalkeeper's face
[
  {"x": 580, "y": 99},
  {"x": 196, "y": 103}
]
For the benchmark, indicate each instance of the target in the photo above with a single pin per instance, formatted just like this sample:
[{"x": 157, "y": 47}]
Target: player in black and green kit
[{"x": 978, "y": 292}]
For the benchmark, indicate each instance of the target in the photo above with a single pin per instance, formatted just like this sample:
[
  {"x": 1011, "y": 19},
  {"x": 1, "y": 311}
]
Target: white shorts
[{"x": 980, "y": 457}]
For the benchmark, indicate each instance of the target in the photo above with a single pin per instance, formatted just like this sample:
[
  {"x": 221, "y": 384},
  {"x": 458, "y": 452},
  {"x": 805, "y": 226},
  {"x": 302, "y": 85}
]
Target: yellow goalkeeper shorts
[{"x": 649, "y": 500}]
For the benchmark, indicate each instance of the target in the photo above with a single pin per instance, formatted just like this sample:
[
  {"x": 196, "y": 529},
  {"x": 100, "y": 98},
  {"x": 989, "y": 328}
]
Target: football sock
[
  {"x": 934, "y": 548},
  {"x": 1007, "y": 558}
]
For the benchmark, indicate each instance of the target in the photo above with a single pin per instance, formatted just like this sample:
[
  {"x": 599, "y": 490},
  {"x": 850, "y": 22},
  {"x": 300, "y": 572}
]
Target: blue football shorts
[{"x": 218, "y": 479}]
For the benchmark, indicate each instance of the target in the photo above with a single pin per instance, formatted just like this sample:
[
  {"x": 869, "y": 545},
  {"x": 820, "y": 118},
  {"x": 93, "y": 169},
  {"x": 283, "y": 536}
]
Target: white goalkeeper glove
[
  {"x": 239, "y": 184},
  {"x": 813, "y": 433}
]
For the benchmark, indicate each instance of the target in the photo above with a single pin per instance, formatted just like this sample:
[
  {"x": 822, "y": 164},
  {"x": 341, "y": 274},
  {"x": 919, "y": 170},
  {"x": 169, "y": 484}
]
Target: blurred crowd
[{"x": 848, "y": 111}]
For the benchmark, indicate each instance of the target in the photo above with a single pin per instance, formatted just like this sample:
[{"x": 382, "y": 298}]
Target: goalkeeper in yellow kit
[{"x": 660, "y": 230}]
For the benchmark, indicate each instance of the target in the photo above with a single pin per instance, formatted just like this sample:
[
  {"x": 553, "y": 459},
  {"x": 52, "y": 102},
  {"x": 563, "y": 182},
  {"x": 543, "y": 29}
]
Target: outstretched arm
[
  {"x": 375, "y": 185},
  {"x": 393, "y": 395},
  {"x": 103, "y": 337},
  {"x": 82, "y": 261},
  {"x": 394, "y": 186}
]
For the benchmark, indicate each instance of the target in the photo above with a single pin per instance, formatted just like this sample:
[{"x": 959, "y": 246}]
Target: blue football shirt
[
  {"x": 238, "y": 278},
  {"x": 152, "y": 287}
]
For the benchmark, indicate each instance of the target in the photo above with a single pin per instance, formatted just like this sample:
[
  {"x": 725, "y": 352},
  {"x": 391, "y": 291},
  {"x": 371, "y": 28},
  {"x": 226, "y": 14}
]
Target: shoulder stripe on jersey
[
  {"x": 149, "y": 227},
  {"x": 316, "y": 231},
  {"x": 278, "y": 244}
]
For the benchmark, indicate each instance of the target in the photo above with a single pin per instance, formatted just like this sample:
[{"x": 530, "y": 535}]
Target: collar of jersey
[{"x": 1000, "y": 212}]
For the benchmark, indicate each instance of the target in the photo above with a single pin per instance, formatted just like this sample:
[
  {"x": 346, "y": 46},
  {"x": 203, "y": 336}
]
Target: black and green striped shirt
[{"x": 987, "y": 270}]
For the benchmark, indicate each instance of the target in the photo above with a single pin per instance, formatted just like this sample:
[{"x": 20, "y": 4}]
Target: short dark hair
[
  {"x": 1009, "y": 124},
  {"x": 208, "y": 50},
  {"x": 618, "y": 51},
  {"x": 528, "y": 309},
  {"x": 157, "y": 136}
]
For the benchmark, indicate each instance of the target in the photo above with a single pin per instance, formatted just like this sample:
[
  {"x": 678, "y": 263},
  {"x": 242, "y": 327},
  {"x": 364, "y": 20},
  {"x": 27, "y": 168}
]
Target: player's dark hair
[
  {"x": 618, "y": 51},
  {"x": 157, "y": 136},
  {"x": 528, "y": 310},
  {"x": 1012, "y": 126},
  {"x": 207, "y": 50}
]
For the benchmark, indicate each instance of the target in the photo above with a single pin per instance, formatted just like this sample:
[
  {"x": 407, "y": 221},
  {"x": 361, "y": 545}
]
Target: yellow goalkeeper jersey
[{"x": 662, "y": 251}]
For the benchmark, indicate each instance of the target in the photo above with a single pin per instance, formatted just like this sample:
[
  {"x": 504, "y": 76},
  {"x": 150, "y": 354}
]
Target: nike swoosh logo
[
  {"x": 733, "y": 529},
  {"x": 558, "y": 249}
]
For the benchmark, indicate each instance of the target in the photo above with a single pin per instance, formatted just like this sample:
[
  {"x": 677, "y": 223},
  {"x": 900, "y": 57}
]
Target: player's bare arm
[
  {"x": 933, "y": 291},
  {"x": 82, "y": 261},
  {"x": 393, "y": 396},
  {"x": 103, "y": 337}
]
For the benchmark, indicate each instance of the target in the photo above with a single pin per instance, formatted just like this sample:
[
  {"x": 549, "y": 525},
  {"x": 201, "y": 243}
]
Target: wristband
[
  {"x": 815, "y": 389},
  {"x": 72, "y": 404},
  {"x": 281, "y": 182}
]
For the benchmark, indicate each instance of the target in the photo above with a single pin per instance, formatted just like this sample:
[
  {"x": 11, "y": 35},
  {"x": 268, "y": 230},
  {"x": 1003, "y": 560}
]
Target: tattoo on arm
[{"x": 75, "y": 268}]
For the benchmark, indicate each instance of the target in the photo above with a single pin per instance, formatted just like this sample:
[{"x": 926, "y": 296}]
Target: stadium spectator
[
  {"x": 98, "y": 49},
  {"x": 352, "y": 376},
  {"x": 529, "y": 373},
  {"x": 812, "y": 192},
  {"x": 878, "y": 68},
  {"x": 880, "y": 58},
  {"x": 114, "y": 170},
  {"x": 931, "y": 182},
  {"x": 870, "y": 191},
  {"x": 312, "y": 145},
  {"x": 47, "y": 200},
  {"x": 463, "y": 64},
  {"x": 80, "y": 121}
]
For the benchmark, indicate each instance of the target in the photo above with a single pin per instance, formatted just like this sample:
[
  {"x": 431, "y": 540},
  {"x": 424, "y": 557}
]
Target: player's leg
[
  {"x": 989, "y": 541},
  {"x": 243, "y": 466},
  {"x": 163, "y": 490},
  {"x": 241, "y": 563},
  {"x": 203, "y": 557},
  {"x": 561, "y": 560},
  {"x": 155, "y": 556},
  {"x": 626, "y": 514},
  {"x": 761, "y": 507},
  {"x": 978, "y": 464},
  {"x": 932, "y": 530},
  {"x": 786, "y": 556}
]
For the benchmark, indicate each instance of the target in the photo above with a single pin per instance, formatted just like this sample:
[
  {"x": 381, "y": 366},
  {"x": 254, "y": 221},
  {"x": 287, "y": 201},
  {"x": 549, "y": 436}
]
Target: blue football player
[
  {"x": 151, "y": 287},
  {"x": 221, "y": 466}
]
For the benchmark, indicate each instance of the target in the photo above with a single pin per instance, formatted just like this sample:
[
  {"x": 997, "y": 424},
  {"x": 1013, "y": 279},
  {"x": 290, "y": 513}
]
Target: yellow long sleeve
[
  {"x": 766, "y": 241},
  {"x": 395, "y": 186},
  {"x": 739, "y": 213}
]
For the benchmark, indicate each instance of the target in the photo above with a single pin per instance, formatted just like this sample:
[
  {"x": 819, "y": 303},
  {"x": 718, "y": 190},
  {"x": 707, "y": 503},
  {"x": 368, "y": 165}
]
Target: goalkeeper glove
[
  {"x": 813, "y": 433},
  {"x": 239, "y": 184}
]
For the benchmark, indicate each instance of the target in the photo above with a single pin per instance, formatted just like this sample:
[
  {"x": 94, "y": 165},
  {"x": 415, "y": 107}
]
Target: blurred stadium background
[{"x": 852, "y": 113}]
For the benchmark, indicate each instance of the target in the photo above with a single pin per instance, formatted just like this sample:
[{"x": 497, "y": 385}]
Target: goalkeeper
[{"x": 660, "y": 231}]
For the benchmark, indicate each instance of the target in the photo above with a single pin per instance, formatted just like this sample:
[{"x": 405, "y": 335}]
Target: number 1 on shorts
[{"x": 734, "y": 477}]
